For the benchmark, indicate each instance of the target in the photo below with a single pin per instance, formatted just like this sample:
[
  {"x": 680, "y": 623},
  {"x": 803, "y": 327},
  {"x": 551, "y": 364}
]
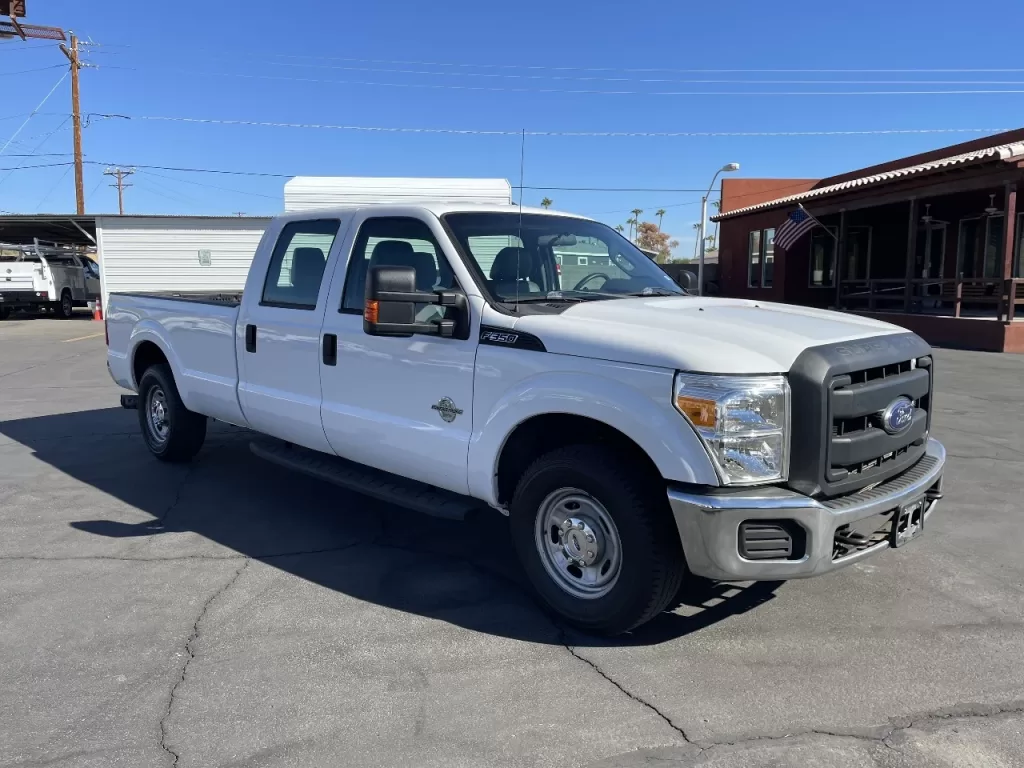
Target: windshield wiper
[
  {"x": 655, "y": 292},
  {"x": 575, "y": 296}
]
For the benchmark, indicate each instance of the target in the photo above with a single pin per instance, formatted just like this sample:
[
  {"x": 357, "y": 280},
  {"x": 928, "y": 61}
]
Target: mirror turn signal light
[{"x": 371, "y": 311}]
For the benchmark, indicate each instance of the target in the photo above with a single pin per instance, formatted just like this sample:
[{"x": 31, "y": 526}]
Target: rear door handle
[
  {"x": 330, "y": 349},
  {"x": 250, "y": 338}
]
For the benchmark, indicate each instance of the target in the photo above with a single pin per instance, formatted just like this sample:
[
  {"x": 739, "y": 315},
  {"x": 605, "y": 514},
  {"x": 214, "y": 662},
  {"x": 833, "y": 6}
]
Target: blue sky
[{"x": 493, "y": 66}]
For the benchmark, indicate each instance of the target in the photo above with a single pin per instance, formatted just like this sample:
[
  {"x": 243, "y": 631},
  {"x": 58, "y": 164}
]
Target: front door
[
  {"x": 279, "y": 336},
  {"x": 404, "y": 405}
]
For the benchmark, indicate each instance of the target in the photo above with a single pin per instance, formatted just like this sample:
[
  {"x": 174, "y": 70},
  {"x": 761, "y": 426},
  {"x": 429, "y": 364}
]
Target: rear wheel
[
  {"x": 65, "y": 309},
  {"x": 171, "y": 431},
  {"x": 596, "y": 539}
]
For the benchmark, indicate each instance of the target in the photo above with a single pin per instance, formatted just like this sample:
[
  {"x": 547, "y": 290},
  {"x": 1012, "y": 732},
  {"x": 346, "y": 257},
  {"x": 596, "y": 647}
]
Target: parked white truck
[
  {"x": 35, "y": 277},
  {"x": 632, "y": 433}
]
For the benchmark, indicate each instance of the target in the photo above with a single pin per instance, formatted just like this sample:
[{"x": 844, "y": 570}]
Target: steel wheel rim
[
  {"x": 157, "y": 418},
  {"x": 578, "y": 543}
]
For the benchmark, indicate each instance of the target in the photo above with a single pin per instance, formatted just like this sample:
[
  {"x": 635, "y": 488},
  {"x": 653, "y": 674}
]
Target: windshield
[{"x": 537, "y": 257}]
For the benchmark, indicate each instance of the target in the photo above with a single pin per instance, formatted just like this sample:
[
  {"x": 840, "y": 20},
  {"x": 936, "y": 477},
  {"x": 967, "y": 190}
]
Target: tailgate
[{"x": 19, "y": 275}]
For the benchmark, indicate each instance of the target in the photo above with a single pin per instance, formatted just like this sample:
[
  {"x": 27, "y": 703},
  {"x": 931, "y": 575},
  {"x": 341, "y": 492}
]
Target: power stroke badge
[{"x": 447, "y": 409}]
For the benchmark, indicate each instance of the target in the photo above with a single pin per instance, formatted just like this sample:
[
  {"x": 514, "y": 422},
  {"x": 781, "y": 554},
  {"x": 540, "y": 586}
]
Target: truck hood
[{"x": 697, "y": 333}]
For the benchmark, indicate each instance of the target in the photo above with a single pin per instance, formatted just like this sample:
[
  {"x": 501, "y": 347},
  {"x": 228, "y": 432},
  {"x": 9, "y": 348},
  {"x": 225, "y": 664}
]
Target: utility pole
[
  {"x": 76, "y": 117},
  {"x": 120, "y": 174}
]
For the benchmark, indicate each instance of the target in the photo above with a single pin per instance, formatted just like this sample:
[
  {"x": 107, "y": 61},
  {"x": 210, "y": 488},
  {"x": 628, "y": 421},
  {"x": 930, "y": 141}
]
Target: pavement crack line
[
  {"x": 885, "y": 734},
  {"x": 622, "y": 689},
  {"x": 190, "y": 655}
]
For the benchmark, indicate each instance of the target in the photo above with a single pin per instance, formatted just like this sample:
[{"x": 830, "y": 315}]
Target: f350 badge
[{"x": 447, "y": 409}]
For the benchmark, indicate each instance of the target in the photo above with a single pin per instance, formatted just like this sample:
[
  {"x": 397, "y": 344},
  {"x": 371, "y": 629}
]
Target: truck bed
[{"x": 195, "y": 331}]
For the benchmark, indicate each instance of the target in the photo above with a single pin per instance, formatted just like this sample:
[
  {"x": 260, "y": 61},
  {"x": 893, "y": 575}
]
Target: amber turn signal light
[
  {"x": 371, "y": 311},
  {"x": 700, "y": 412}
]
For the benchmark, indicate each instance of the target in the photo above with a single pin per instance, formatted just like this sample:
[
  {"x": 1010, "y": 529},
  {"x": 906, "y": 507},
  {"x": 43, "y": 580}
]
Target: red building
[{"x": 931, "y": 242}]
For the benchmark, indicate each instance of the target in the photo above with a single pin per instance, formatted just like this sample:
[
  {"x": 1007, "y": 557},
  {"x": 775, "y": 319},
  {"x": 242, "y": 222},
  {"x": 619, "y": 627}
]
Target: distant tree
[
  {"x": 718, "y": 209},
  {"x": 696, "y": 243},
  {"x": 630, "y": 223},
  {"x": 636, "y": 219},
  {"x": 650, "y": 237},
  {"x": 660, "y": 213},
  {"x": 546, "y": 202},
  {"x": 619, "y": 228}
]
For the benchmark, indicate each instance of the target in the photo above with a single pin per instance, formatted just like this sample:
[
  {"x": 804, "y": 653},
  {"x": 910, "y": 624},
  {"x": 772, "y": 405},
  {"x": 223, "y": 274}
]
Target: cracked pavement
[{"x": 230, "y": 613}]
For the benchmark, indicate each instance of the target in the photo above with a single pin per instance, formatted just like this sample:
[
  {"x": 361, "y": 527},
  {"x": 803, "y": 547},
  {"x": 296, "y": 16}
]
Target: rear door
[
  {"x": 404, "y": 405},
  {"x": 279, "y": 327}
]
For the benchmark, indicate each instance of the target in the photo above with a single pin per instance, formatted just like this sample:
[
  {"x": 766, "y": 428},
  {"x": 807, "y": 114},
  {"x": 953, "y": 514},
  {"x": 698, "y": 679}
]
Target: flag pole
[{"x": 818, "y": 222}]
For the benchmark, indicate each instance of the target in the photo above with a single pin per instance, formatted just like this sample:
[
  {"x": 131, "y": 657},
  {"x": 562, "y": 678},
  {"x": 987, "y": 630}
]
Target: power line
[
  {"x": 37, "y": 69},
  {"x": 33, "y": 112},
  {"x": 264, "y": 55},
  {"x": 502, "y": 132},
  {"x": 588, "y": 91},
  {"x": 214, "y": 186}
]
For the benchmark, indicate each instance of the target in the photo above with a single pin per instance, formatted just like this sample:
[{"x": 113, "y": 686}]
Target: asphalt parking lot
[{"x": 230, "y": 613}]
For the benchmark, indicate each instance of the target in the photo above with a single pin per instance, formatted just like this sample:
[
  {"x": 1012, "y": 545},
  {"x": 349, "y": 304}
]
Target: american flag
[{"x": 796, "y": 224}]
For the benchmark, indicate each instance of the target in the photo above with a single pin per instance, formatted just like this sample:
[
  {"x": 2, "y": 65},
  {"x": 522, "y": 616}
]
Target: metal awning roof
[
  {"x": 69, "y": 228},
  {"x": 1005, "y": 152}
]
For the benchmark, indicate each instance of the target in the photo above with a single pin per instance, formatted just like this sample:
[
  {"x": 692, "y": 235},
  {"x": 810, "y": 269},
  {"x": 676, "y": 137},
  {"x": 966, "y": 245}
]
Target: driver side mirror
[{"x": 392, "y": 301}]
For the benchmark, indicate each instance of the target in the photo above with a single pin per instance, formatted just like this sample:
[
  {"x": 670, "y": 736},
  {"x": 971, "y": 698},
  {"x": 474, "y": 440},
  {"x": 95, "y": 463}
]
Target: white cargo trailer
[
  {"x": 176, "y": 253},
  {"x": 304, "y": 193}
]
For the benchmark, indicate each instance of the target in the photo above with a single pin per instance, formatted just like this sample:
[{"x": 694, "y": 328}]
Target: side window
[
  {"x": 395, "y": 242},
  {"x": 754, "y": 259},
  {"x": 297, "y": 265}
]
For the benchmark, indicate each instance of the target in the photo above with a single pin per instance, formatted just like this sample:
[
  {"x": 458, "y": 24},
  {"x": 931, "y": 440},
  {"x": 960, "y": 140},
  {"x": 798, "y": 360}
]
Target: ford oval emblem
[{"x": 898, "y": 415}]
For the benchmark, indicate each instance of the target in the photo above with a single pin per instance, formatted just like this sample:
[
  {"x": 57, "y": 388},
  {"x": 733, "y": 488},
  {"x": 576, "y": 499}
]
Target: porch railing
[{"x": 991, "y": 296}]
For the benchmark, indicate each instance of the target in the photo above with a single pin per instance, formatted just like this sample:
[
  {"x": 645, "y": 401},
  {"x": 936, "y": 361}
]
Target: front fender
[{"x": 643, "y": 413}]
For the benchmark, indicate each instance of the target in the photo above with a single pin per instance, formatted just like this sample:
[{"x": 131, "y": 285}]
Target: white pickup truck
[{"x": 447, "y": 357}]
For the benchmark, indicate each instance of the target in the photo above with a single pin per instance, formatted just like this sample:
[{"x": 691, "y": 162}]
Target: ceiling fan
[
  {"x": 928, "y": 218},
  {"x": 991, "y": 210}
]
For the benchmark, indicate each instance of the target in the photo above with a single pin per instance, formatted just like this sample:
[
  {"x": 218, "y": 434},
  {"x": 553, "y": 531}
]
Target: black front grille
[
  {"x": 839, "y": 391},
  {"x": 859, "y": 445},
  {"x": 771, "y": 540}
]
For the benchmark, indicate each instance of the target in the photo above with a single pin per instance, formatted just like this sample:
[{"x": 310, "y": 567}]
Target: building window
[
  {"x": 761, "y": 258},
  {"x": 754, "y": 259},
  {"x": 823, "y": 257},
  {"x": 980, "y": 247}
]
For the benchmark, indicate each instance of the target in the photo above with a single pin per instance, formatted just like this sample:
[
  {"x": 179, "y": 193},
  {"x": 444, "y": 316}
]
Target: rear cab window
[{"x": 296, "y": 267}]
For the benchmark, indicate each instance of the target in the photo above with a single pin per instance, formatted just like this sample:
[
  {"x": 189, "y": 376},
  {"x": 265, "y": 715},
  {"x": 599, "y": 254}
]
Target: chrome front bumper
[{"x": 709, "y": 523}]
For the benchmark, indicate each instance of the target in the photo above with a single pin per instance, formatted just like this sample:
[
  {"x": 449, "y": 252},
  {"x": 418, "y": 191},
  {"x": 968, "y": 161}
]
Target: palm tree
[
  {"x": 631, "y": 223},
  {"x": 619, "y": 228},
  {"x": 636, "y": 218},
  {"x": 546, "y": 202},
  {"x": 696, "y": 242},
  {"x": 660, "y": 213},
  {"x": 718, "y": 209}
]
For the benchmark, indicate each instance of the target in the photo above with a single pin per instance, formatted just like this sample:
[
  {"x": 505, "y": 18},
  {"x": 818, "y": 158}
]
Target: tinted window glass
[
  {"x": 297, "y": 264},
  {"x": 536, "y": 257},
  {"x": 396, "y": 242}
]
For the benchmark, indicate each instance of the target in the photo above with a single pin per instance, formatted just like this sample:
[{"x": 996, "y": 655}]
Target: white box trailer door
[{"x": 176, "y": 253}]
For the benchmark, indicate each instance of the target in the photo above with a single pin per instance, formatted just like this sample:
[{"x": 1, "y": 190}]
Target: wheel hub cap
[
  {"x": 157, "y": 412},
  {"x": 578, "y": 543}
]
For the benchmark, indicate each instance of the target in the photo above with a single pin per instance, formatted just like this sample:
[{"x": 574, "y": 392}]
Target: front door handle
[
  {"x": 250, "y": 338},
  {"x": 330, "y": 349}
]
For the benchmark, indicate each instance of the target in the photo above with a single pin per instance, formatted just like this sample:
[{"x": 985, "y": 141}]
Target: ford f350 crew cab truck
[{"x": 451, "y": 356}]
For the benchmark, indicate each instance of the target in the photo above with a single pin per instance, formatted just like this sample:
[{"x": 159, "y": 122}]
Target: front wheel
[
  {"x": 172, "y": 432},
  {"x": 596, "y": 539}
]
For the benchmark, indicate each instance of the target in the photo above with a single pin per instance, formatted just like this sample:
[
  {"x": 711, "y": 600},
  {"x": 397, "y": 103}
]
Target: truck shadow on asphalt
[{"x": 463, "y": 573}]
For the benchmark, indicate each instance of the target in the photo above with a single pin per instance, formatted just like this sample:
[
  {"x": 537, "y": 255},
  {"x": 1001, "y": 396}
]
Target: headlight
[{"x": 743, "y": 422}]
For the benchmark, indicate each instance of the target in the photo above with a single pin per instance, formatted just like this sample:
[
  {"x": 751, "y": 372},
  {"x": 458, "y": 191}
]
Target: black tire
[
  {"x": 65, "y": 308},
  {"x": 183, "y": 431},
  {"x": 651, "y": 566}
]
